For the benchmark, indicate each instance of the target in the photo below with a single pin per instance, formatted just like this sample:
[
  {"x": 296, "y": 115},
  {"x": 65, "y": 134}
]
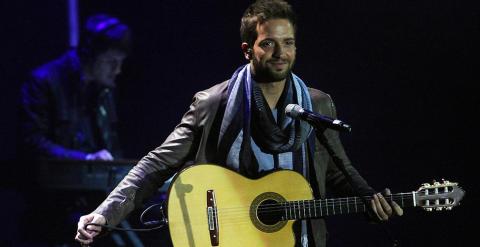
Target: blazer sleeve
[{"x": 154, "y": 168}]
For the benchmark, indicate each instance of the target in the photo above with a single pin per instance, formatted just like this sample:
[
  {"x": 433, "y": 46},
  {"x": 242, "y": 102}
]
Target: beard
[{"x": 264, "y": 73}]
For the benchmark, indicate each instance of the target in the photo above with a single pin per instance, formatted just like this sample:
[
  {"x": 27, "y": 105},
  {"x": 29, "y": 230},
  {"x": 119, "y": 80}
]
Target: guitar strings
[
  {"x": 299, "y": 209},
  {"x": 349, "y": 200},
  {"x": 323, "y": 202},
  {"x": 236, "y": 215},
  {"x": 241, "y": 215}
]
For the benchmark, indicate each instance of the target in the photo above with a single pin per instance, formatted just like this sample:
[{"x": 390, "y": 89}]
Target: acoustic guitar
[{"x": 209, "y": 205}]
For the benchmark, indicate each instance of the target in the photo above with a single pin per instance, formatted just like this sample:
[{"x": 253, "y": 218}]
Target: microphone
[{"x": 316, "y": 120}]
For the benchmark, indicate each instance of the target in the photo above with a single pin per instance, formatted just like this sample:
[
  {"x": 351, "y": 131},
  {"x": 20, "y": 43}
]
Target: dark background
[{"x": 403, "y": 75}]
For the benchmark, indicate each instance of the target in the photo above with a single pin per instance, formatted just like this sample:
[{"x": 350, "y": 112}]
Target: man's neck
[{"x": 272, "y": 92}]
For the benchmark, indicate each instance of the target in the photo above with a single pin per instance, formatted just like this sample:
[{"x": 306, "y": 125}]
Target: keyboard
[{"x": 82, "y": 175}]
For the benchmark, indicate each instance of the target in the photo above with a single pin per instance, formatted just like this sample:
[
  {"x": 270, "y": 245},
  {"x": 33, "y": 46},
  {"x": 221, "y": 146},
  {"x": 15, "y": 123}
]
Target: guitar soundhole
[
  {"x": 269, "y": 212},
  {"x": 266, "y": 212}
]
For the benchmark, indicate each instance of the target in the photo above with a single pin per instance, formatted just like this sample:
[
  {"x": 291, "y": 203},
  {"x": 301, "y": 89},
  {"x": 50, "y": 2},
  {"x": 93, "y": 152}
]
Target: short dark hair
[
  {"x": 101, "y": 33},
  {"x": 262, "y": 11}
]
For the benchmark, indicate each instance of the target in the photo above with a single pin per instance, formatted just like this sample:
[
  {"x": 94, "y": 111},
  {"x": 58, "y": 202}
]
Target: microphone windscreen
[{"x": 293, "y": 110}]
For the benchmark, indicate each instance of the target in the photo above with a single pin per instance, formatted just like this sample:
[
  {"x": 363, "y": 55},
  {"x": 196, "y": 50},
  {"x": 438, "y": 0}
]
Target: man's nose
[{"x": 278, "y": 51}]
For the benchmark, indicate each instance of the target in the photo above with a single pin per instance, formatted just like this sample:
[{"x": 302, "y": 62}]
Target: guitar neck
[{"x": 306, "y": 209}]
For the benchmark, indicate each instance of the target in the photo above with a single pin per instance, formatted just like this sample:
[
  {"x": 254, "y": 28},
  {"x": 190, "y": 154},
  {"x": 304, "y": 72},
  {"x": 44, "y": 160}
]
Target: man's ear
[{"x": 247, "y": 51}]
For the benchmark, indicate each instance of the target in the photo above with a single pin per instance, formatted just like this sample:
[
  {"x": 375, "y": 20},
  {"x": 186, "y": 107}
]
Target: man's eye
[
  {"x": 267, "y": 44},
  {"x": 290, "y": 43}
]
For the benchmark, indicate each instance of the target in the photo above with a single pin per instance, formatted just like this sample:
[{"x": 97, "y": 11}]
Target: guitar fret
[
  {"x": 304, "y": 209},
  {"x": 304, "y": 215},
  {"x": 299, "y": 210},
  {"x": 292, "y": 210},
  {"x": 320, "y": 203},
  {"x": 303, "y": 202},
  {"x": 294, "y": 213},
  {"x": 309, "y": 212},
  {"x": 326, "y": 202},
  {"x": 309, "y": 209},
  {"x": 340, "y": 205},
  {"x": 333, "y": 206},
  {"x": 289, "y": 210},
  {"x": 355, "y": 201},
  {"x": 348, "y": 206}
]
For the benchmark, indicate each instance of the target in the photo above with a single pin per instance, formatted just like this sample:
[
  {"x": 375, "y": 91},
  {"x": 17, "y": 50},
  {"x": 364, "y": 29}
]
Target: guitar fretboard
[{"x": 306, "y": 209}]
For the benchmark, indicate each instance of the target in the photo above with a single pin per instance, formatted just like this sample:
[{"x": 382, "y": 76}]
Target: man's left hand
[{"x": 382, "y": 208}]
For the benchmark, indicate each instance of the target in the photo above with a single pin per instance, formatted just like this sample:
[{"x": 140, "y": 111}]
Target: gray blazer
[{"x": 191, "y": 141}]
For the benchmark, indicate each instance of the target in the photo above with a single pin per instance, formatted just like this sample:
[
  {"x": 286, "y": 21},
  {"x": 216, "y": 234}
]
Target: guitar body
[{"x": 237, "y": 222}]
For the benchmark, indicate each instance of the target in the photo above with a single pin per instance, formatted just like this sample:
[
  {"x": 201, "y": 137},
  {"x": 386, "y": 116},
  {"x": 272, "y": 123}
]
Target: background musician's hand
[{"x": 100, "y": 155}]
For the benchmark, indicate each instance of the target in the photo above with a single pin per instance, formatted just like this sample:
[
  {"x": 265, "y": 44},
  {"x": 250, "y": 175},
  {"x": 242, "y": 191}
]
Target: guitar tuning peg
[
  {"x": 426, "y": 185},
  {"x": 439, "y": 209}
]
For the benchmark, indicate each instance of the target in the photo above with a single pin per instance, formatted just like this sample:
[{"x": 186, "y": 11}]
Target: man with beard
[{"x": 241, "y": 124}]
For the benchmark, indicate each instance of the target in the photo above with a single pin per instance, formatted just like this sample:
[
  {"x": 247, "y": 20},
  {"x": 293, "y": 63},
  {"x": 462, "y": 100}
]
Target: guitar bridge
[{"x": 212, "y": 216}]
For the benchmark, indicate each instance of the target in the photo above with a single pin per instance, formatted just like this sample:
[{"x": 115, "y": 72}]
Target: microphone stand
[{"x": 319, "y": 132}]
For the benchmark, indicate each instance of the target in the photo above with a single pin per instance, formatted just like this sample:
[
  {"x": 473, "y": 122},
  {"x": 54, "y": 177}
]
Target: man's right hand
[
  {"x": 100, "y": 155},
  {"x": 85, "y": 236}
]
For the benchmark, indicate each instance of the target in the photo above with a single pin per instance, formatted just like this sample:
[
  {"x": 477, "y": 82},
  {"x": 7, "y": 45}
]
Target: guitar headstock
[{"x": 439, "y": 196}]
